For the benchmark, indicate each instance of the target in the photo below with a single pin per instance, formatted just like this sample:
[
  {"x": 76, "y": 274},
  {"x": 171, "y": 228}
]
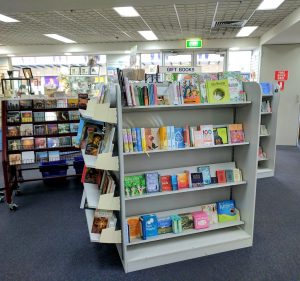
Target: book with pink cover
[{"x": 236, "y": 133}]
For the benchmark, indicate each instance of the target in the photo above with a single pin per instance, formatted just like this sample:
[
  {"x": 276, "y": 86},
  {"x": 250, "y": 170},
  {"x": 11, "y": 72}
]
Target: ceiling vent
[{"x": 229, "y": 24}]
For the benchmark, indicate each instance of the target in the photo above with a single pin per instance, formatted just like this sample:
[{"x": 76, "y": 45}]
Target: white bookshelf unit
[
  {"x": 168, "y": 248},
  {"x": 266, "y": 167}
]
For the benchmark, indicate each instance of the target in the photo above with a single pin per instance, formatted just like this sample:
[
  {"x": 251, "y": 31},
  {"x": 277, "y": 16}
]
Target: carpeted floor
[{"x": 47, "y": 239}]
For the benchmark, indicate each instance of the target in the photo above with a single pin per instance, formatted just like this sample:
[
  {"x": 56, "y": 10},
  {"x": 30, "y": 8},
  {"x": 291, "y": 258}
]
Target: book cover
[
  {"x": 13, "y": 131},
  {"x": 190, "y": 88},
  {"x": 196, "y": 179},
  {"x": 54, "y": 155},
  {"x": 74, "y": 115},
  {"x": 165, "y": 182},
  {"x": 149, "y": 226},
  {"x": 61, "y": 103},
  {"x": 266, "y": 88},
  {"x": 198, "y": 138},
  {"x": 52, "y": 129},
  {"x": 74, "y": 141},
  {"x": 237, "y": 175},
  {"x": 211, "y": 210},
  {"x": 183, "y": 180},
  {"x": 52, "y": 142},
  {"x": 40, "y": 143},
  {"x": 39, "y": 116},
  {"x": 152, "y": 183},
  {"x": 101, "y": 221},
  {"x": 169, "y": 137},
  {"x": 13, "y": 105},
  {"x": 226, "y": 211},
  {"x": 41, "y": 156},
  {"x": 64, "y": 141},
  {"x": 93, "y": 142},
  {"x": 235, "y": 83},
  {"x": 221, "y": 176},
  {"x": 236, "y": 133},
  {"x": 205, "y": 170},
  {"x": 220, "y": 135},
  {"x": 208, "y": 135},
  {"x": 107, "y": 143},
  {"x": 62, "y": 116},
  {"x": 187, "y": 221},
  {"x": 74, "y": 127},
  {"x": 143, "y": 137},
  {"x": 64, "y": 128},
  {"x": 40, "y": 130},
  {"x": 164, "y": 225},
  {"x": 50, "y": 104},
  {"x": 134, "y": 227},
  {"x": 26, "y": 130},
  {"x": 134, "y": 139},
  {"x": 73, "y": 103},
  {"x": 28, "y": 157},
  {"x": 25, "y": 104},
  {"x": 26, "y": 116},
  {"x": 14, "y": 159},
  {"x": 50, "y": 116},
  {"x": 203, "y": 77},
  {"x": 174, "y": 182},
  {"x": 13, "y": 145},
  {"x": 13, "y": 117},
  {"x": 163, "y": 138},
  {"x": 38, "y": 104},
  {"x": 129, "y": 138},
  {"x": 91, "y": 175},
  {"x": 125, "y": 141},
  {"x": 139, "y": 139},
  {"x": 192, "y": 139},
  {"x": 179, "y": 138},
  {"x": 82, "y": 101},
  {"x": 229, "y": 175},
  {"x": 186, "y": 136},
  {"x": 152, "y": 138},
  {"x": 27, "y": 143},
  {"x": 218, "y": 91}
]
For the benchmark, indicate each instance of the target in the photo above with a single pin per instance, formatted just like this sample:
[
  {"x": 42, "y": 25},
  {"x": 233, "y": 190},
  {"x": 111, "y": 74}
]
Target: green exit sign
[{"x": 193, "y": 43}]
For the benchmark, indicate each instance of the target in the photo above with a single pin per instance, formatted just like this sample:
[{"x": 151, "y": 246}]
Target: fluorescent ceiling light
[
  {"x": 234, "y": 49},
  {"x": 270, "y": 4},
  {"x": 126, "y": 11},
  {"x": 10, "y": 55},
  {"x": 60, "y": 38},
  {"x": 127, "y": 52},
  {"x": 246, "y": 31},
  {"x": 7, "y": 19},
  {"x": 68, "y": 54},
  {"x": 148, "y": 35}
]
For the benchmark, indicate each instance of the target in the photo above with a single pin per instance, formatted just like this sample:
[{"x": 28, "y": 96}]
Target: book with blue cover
[
  {"x": 152, "y": 182},
  {"x": 139, "y": 139},
  {"x": 179, "y": 138},
  {"x": 205, "y": 170},
  {"x": 226, "y": 211},
  {"x": 149, "y": 226},
  {"x": 266, "y": 88}
]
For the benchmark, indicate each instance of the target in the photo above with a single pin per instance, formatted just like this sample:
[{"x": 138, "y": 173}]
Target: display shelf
[
  {"x": 109, "y": 202},
  {"x": 94, "y": 237},
  {"x": 185, "y": 232},
  {"x": 103, "y": 161},
  {"x": 262, "y": 136},
  {"x": 266, "y": 113},
  {"x": 92, "y": 193},
  {"x": 110, "y": 235},
  {"x": 42, "y": 122},
  {"x": 184, "y": 106},
  {"x": 264, "y": 173},
  {"x": 185, "y": 149},
  {"x": 263, "y": 159},
  {"x": 43, "y": 136},
  {"x": 191, "y": 189}
]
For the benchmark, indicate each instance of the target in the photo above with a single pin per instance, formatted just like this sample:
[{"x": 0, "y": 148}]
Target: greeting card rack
[
  {"x": 35, "y": 135},
  {"x": 8, "y": 85}
]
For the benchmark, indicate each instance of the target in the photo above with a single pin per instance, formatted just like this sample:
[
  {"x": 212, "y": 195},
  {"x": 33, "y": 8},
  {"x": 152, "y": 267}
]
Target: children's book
[
  {"x": 152, "y": 182},
  {"x": 93, "y": 143},
  {"x": 229, "y": 175},
  {"x": 139, "y": 139},
  {"x": 28, "y": 157},
  {"x": 13, "y": 144},
  {"x": 50, "y": 116},
  {"x": 26, "y": 130},
  {"x": 198, "y": 138},
  {"x": 74, "y": 127},
  {"x": 164, "y": 225},
  {"x": 196, "y": 179},
  {"x": 187, "y": 221},
  {"x": 129, "y": 137},
  {"x": 27, "y": 143},
  {"x": 73, "y": 103},
  {"x": 203, "y": 77},
  {"x": 134, "y": 139},
  {"x": 52, "y": 129},
  {"x": 101, "y": 220},
  {"x": 152, "y": 138},
  {"x": 143, "y": 137},
  {"x": 208, "y": 135},
  {"x": 211, "y": 210},
  {"x": 221, "y": 176},
  {"x": 54, "y": 155},
  {"x": 62, "y": 116},
  {"x": 41, "y": 156},
  {"x": 74, "y": 115},
  {"x": 134, "y": 227},
  {"x": 163, "y": 138},
  {"x": 13, "y": 117},
  {"x": 218, "y": 91},
  {"x": 237, "y": 175},
  {"x": 183, "y": 180},
  {"x": 165, "y": 183},
  {"x": 125, "y": 141},
  {"x": 205, "y": 170},
  {"x": 38, "y": 104},
  {"x": 236, "y": 133},
  {"x": 39, "y": 116},
  {"x": 64, "y": 128},
  {"x": 220, "y": 135},
  {"x": 226, "y": 211},
  {"x": 186, "y": 136},
  {"x": 52, "y": 142},
  {"x": 190, "y": 88},
  {"x": 13, "y": 131},
  {"x": 26, "y": 116},
  {"x": 25, "y": 104},
  {"x": 149, "y": 226},
  {"x": 179, "y": 137},
  {"x": 14, "y": 159},
  {"x": 13, "y": 105},
  {"x": 40, "y": 143},
  {"x": 235, "y": 83}
]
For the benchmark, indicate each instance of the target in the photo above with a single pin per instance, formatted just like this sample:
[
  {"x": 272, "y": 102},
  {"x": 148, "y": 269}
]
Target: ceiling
[{"x": 98, "y": 25}]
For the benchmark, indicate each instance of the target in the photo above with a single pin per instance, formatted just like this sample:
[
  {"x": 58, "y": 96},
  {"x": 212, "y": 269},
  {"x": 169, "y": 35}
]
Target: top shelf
[{"x": 184, "y": 106}]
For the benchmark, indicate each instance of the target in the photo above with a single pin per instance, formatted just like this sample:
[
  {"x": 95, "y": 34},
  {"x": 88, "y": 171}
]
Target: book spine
[
  {"x": 127, "y": 90},
  {"x": 169, "y": 136},
  {"x": 186, "y": 135},
  {"x": 134, "y": 139},
  {"x": 129, "y": 137},
  {"x": 163, "y": 137},
  {"x": 125, "y": 141},
  {"x": 143, "y": 137},
  {"x": 173, "y": 137},
  {"x": 155, "y": 94},
  {"x": 146, "y": 97},
  {"x": 132, "y": 95},
  {"x": 192, "y": 139},
  {"x": 139, "y": 139}
]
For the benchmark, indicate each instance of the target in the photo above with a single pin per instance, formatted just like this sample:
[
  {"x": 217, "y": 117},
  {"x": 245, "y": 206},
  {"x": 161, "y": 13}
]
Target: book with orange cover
[
  {"x": 186, "y": 136},
  {"x": 163, "y": 137},
  {"x": 183, "y": 180},
  {"x": 134, "y": 227},
  {"x": 236, "y": 133}
]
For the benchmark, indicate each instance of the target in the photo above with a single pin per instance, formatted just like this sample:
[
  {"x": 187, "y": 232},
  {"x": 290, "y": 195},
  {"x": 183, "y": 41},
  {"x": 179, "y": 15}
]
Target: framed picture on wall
[
  {"x": 27, "y": 72},
  {"x": 95, "y": 70},
  {"x": 84, "y": 70},
  {"x": 74, "y": 70}
]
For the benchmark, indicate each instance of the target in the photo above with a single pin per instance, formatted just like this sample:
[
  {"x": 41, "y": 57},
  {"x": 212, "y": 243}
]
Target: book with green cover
[
  {"x": 218, "y": 91},
  {"x": 220, "y": 135}
]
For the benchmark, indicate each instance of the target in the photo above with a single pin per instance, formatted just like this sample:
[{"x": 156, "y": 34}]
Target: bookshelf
[{"x": 266, "y": 167}]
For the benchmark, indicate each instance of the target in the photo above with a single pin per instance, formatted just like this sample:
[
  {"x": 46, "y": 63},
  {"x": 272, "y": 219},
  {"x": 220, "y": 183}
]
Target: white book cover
[
  {"x": 127, "y": 90},
  {"x": 28, "y": 157},
  {"x": 50, "y": 116},
  {"x": 208, "y": 135},
  {"x": 169, "y": 136},
  {"x": 173, "y": 144},
  {"x": 132, "y": 95}
]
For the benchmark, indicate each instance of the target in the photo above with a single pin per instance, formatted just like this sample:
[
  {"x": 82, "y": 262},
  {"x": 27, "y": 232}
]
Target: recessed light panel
[
  {"x": 7, "y": 19},
  {"x": 60, "y": 38},
  {"x": 148, "y": 35},
  {"x": 246, "y": 31},
  {"x": 127, "y": 12},
  {"x": 270, "y": 4}
]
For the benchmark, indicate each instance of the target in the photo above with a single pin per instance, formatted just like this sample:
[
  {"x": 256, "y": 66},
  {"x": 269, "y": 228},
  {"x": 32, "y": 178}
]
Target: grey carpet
[{"x": 47, "y": 239}]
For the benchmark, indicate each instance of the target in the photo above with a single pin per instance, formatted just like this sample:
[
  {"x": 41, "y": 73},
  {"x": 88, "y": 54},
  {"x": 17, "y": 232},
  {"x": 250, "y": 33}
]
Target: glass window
[
  {"x": 211, "y": 63},
  {"x": 151, "y": 59},
  {"x": 178, "y": 59},
  {"x": 239, "y": 61}
]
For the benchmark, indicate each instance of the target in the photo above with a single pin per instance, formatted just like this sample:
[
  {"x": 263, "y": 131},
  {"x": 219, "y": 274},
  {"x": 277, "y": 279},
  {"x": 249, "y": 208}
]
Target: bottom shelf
[
  {"x": 264, "y": 173},
  {"x": 186, "y": 247}
]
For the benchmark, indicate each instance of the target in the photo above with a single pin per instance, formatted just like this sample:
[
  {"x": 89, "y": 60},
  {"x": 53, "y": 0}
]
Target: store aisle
[{"x": 47, "y": 238}]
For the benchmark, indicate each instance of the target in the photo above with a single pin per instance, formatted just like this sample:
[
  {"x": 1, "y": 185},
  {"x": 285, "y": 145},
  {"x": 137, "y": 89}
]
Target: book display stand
[{"x": 266, "y": 163}]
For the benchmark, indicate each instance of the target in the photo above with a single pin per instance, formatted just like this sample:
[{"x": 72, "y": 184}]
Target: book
[
  {"x": 174, "y": 182},
  {"x": 187, "y": 221},
  {"x": 13, "y": 131},
  {"x": 237, "y": 175},
  {"x": 263, "y": 130},
  {"x": 189, "y": 88},
  {"x": 211, "y": 210},
  {"x": 183, "y": 180},
  {"x": 13, "y": 117},
  {"x": 208, "y": 135},
  {"x": 139, "y": 139},
  {"x": 27, "y": 143},
  {"x": 64, "y": 128},
  {"x": 40, "y": 130},
  {"x": 179, "y": 138},
  {"x": 38, "y": 104},
  {"x": 52, "y": 129},
  {"x": 266, "y": 88},
  {"x": 39, "y": 116},
  {"x": 61, "y": 103},
  {"x": 235, "y": 83},
  {"x": 205, "y": 170},
  {"x": 220, "y": 135},
  {"x": 74, "y": 127},
  {"x": 52, "y": 142},
  {"x": 125, "y": 141},
  {"x": 50, "y": 116},
  {"x": 25, "y": 104},
  {"x": 164, "y": 225},
  {"x": 218, "y": 91},
  {"x": 93, "y": 143},
  {"x": 165, "y": 183},
  {"x": 226, "y": 211},
  {"x": 196, "y": 179},
  {"x": 50, "y": 103},
  {"x": 186, "y": 136},
  {"x": 64, "y": 141},
  {"x": 40, "y": 143},
  {"x": 28, "y": 157},
  {"x": 72, "y": 103},
  {"x": 13, "y": 144},
  {"x": 229, "y": 175},
  {"x": 101, "y": 220},
  {"x": 54, "y": 155},
  {"x": 236, "y": 133},
  {"x": 26, "y": 130},
  {"x": 149, "y": 226},
  {"x": 134, "y": 139},
  {"x": 74, "y": 115},
  {"x": 143, "y": 137},
  {"x": 26, "y": 116},
  {"x": 14, "y": 159},
  {"x": 62, "y": 116},
  {"x": 198, "y": 138},
  {"x": 74, "y": 141},
  {"x": 134, "y": 228},
  {"x": 41, "y": 156},
  {"x": 152, "y": 182},
  {"x": 107, "y": 143},
  {"x": 13, "y": 105},
  {"x": 163, "y": 138},
  {"x": 82, "y": 101},
  {"x": 221, "y": 176},
  {"x": 129, "y": 138},
  {"x": 152, "y": 138},
  {"x": 90, "y": 175}
]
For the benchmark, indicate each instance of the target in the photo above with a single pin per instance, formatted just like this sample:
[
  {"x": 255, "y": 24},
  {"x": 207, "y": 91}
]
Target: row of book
[
  {"x": 262, "y": 155},
  {"x": 147, "y": 226},
  {"x": 266, "y": 107},
  {"x": 188, "y": 89},
  {"x": 138, "y": 185},
  {"x": 29, "y": 143},
  {"x": 41, "y": 130},
  {"x": 103, "y": 219},
  {"x": 170, "y": 137},
  {"x": 29, "y": 116},
  {"x": 42, "y": 104}
]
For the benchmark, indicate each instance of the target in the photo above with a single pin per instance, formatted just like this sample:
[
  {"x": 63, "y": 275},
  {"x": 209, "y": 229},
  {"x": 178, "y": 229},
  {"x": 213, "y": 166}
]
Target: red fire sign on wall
[{"x": 281, "y": 75}]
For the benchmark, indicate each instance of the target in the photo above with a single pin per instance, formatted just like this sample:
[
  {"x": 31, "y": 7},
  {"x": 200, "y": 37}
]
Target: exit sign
[{"x": 193, "y": 43}]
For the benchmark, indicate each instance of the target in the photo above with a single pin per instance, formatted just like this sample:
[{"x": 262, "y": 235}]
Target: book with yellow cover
[
  {"x": 163, "y": 137},
  {"x": 218, "y": 91},
  {"x": 183, "y": 180}
]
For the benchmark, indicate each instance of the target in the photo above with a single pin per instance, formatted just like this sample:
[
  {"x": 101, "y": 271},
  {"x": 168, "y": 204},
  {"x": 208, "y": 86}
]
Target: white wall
[{"x": 284, "y": 57}]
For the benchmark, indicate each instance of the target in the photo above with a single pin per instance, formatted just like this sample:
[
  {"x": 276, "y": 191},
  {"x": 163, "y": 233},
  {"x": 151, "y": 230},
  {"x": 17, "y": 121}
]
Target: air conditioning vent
[{"x": 229, "y": 24}]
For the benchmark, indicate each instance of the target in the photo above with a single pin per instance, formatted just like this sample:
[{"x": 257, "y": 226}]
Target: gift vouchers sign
[{"x": 281, "y": 75}]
